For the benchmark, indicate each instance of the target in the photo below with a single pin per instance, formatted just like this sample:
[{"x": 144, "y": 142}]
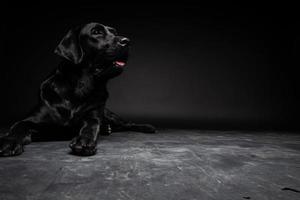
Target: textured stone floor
[{"x": 170, "y": 165}]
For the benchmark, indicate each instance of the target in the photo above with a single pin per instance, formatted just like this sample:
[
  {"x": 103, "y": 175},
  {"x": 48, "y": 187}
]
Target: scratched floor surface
[{"x": 170, "y": 165}]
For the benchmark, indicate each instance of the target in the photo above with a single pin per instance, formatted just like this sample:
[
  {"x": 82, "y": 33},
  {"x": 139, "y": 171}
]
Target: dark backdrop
[{"x": 191, "y": 65}]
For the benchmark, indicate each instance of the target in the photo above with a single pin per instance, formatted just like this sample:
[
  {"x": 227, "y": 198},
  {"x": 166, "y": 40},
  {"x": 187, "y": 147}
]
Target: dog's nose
[{"x": 124, "y": 42}]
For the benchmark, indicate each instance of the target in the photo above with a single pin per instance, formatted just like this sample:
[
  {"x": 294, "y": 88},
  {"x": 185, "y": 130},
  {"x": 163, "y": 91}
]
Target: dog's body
[{"x": 74, "y": 96}]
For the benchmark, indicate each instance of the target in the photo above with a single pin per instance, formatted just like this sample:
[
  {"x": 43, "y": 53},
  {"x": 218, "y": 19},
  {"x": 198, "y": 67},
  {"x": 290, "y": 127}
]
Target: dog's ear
[{"x": 70, "y": 47}]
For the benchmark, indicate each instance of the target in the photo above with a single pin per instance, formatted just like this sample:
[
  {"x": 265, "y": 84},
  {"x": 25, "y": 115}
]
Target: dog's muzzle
[{"x": 121, "y": 59}]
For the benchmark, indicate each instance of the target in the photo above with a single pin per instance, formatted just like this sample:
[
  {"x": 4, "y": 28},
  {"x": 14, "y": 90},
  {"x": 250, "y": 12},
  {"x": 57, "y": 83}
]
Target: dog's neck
[{"x": 91, "y": 67}]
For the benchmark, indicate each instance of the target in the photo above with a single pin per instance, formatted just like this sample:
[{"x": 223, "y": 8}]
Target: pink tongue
[{"x": 120, "y": 63}]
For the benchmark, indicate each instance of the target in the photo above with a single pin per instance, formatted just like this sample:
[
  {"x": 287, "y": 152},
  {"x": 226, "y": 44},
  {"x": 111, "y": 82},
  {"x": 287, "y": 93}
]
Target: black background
[{"x": 191, "y": 66}]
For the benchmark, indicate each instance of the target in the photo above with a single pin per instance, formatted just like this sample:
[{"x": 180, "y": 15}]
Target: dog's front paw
[
  {"x": 83, "y": 146},
  {"x": 105, "y": 129},
  {"x": 11, "y": 146}
]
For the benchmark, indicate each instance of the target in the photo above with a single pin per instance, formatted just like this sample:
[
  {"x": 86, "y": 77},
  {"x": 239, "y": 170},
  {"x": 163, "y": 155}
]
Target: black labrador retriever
[{"x": 74, "y": 95}]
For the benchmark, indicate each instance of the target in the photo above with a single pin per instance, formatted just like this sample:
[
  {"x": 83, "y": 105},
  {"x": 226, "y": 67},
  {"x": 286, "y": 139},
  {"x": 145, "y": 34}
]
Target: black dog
[{"x": 74, "y": 95}]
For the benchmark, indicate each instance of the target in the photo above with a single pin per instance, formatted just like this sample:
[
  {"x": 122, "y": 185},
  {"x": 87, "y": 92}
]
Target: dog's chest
[{"x": 84, "y": 85}]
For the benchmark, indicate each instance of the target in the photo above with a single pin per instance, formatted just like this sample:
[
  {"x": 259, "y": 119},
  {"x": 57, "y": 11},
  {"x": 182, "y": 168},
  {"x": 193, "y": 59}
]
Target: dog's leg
[
  {"x": 114, "y": 123},
  {"x": 85, "y": 144},
  {"x": 20, "y": 134}
]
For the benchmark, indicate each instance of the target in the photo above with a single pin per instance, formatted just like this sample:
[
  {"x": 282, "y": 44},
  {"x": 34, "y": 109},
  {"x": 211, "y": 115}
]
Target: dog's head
[{"x": 95, "y": 44}]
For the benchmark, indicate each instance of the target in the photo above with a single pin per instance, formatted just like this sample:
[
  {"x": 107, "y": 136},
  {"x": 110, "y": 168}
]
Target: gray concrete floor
[{"x": 170, "y": 165}]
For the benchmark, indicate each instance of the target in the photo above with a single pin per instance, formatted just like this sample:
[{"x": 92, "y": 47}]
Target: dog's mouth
[{"x": 119, "y": 63}]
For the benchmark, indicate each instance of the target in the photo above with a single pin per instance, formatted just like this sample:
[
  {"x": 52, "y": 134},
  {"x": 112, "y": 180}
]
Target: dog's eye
[{"x": 97, "y": 32}]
